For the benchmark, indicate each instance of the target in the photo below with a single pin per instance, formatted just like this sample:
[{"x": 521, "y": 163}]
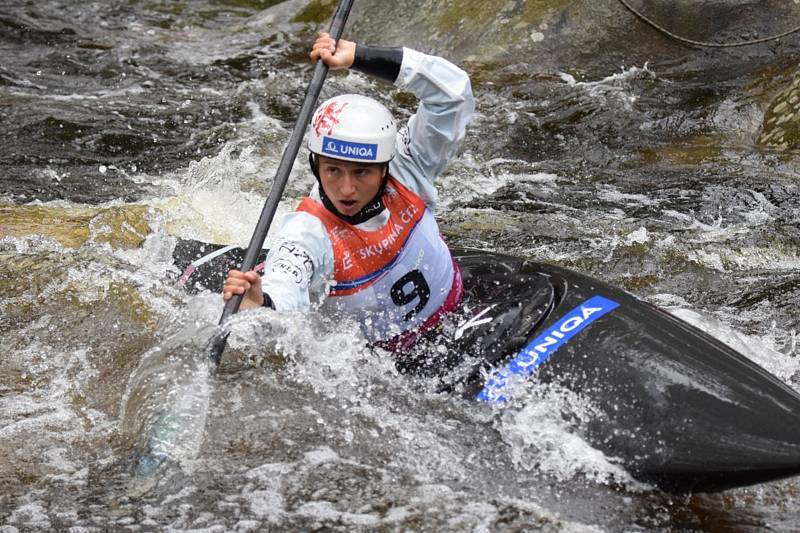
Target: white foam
[
  {"x": 612, "y": 194},
  {"x": 761, "y": 349},
  {"x": 469, "y": 178},
  {"x": 539, "y": 438},
  {"x": 32, "y": 515},
  {"x": 612, "y": 88},
  {"x": 638, "y": 236}
]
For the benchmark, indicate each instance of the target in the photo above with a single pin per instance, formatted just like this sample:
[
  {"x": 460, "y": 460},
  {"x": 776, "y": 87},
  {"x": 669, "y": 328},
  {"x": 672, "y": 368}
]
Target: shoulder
[
  {"x": 305, "y": 229},
  {"x": 301, "y": 220}
]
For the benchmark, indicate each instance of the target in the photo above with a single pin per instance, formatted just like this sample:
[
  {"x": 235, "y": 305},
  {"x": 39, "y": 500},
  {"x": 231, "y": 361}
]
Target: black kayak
[{"x": 681, "y": 409}]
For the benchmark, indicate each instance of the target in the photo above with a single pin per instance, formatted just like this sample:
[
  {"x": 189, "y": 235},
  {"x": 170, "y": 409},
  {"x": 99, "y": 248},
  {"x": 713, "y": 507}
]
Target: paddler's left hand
[{"x": 337, "y": 55}]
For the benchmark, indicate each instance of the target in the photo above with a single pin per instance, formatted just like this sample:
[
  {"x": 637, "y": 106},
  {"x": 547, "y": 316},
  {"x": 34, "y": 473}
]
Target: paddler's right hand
[
  {"x": 246, "y": 283},
  {"x": 337, "y": 55}
]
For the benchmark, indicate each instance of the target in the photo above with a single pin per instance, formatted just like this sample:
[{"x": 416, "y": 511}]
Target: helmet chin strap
[{"x": 372, "y": 208}]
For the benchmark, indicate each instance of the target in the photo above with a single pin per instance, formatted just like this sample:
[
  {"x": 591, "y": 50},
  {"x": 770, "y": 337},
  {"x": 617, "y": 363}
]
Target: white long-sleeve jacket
[{"x": 299, "y": 266}]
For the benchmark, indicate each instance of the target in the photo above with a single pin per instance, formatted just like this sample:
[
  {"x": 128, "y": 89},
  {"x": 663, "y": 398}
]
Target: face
[{"x": 349, "y": 186}]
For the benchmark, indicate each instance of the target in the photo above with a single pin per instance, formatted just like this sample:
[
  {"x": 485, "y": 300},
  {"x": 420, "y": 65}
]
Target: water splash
[
  {"x": 542, "y": 428},
  {"x": 166, "y": 402},
  {"x": 761, "y": 349},
  {"x": 614, "y": 88}
]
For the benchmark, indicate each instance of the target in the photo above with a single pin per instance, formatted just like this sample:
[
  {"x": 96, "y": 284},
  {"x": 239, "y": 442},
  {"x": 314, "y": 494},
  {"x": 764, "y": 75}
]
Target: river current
[{"x": 128, "y": 125}]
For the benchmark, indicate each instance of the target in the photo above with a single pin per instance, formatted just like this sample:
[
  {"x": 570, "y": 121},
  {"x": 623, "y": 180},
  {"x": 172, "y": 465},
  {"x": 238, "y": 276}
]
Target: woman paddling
[{"x": 365, "y": 243}]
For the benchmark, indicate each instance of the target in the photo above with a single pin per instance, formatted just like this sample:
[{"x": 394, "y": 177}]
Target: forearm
[{"x": 379, "y": 62}]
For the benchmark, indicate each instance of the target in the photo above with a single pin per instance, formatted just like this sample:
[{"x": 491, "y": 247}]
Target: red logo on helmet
[{"x": 327, "y": 118}]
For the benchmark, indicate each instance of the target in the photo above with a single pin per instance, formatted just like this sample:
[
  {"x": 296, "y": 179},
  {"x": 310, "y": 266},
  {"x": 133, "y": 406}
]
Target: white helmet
[{"x": 353, "y": 128}]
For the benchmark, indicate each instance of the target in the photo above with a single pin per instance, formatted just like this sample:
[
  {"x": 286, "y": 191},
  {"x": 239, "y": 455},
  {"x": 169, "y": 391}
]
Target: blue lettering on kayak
[
  {"x": 539, "y": 349},
  {"x": 353, "y": 150}
]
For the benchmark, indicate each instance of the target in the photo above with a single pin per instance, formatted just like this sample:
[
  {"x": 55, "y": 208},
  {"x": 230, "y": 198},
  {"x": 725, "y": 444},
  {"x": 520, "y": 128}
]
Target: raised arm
[
  {"x": 435, "y": 132},
  {"x": 437, "y": 129}
]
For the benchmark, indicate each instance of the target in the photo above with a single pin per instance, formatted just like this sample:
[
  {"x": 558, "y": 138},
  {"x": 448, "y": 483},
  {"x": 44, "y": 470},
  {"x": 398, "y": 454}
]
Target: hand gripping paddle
[{"x": 217, "y": 343}]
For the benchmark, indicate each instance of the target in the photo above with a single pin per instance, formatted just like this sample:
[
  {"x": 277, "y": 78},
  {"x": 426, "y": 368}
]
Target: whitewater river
[{"x": 127, "y": 125}]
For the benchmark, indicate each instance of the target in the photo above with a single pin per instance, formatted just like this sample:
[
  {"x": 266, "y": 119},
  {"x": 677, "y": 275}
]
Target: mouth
[{"x": 348, "y": 206}]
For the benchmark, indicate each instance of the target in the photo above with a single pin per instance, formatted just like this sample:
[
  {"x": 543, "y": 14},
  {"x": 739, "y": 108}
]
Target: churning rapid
[{"x": 600, "y": 144}]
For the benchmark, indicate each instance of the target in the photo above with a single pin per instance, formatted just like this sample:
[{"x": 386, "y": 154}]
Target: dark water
[{"x": 128, "y": 125}]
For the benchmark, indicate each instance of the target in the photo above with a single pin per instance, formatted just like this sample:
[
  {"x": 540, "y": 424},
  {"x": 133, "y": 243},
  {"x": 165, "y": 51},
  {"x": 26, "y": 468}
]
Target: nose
[{"x": 347, "y": 185}]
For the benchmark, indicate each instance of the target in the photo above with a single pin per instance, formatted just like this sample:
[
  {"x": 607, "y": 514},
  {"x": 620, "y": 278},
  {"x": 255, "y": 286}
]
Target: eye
[{"x": 363, "y": 172}]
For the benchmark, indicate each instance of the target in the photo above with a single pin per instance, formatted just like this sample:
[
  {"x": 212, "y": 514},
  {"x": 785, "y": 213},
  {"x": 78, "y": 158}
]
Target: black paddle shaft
[{"x": 285, "y": 167}]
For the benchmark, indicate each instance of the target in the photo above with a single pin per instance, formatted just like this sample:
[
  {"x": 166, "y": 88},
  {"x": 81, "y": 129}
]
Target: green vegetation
[{"x": 317, "y": 12}]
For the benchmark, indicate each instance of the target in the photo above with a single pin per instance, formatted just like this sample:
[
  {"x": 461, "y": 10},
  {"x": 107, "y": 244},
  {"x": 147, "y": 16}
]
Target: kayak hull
[{"x": 677, "y": 407}]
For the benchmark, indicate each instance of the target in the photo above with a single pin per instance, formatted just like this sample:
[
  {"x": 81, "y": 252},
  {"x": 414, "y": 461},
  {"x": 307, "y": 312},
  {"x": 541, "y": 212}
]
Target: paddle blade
[
  {"x": 215, "y": 346},
  {"x": 166, "y": 404}
]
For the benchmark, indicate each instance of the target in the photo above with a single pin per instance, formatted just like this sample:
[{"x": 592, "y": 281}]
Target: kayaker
[{"x": 365, "y": 243}]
